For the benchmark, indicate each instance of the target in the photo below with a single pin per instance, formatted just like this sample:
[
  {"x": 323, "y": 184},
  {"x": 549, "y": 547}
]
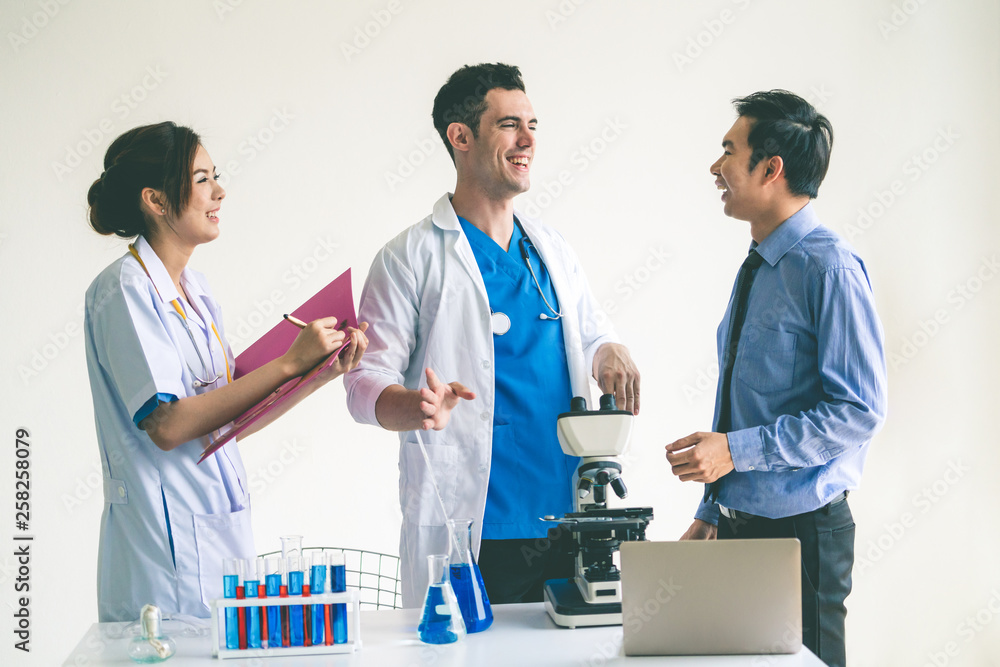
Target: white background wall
[{"x": 348, "y": 158}]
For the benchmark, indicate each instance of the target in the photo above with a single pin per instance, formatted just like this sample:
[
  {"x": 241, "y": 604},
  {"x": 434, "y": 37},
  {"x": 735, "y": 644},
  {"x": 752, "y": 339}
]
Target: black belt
[{"x": 746, "y": 516}]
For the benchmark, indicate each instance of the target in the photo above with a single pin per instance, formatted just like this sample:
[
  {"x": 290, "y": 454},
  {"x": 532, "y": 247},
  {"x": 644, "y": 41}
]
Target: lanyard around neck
[{"x": 180, "y": 311}]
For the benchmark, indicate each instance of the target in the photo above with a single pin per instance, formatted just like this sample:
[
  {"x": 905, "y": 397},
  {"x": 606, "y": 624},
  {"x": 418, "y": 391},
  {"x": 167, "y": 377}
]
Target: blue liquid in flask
[
  {"x": 467, "y": 581},
  {"x": 435, "y": 623}
]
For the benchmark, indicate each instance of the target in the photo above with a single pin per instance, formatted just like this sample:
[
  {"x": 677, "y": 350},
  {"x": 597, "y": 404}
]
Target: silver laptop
[{"x": 708, "y": 597}]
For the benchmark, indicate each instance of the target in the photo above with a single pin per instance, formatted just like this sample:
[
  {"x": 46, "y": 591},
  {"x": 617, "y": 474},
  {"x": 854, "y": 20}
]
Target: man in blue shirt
[{"x": 802, "y": 382}]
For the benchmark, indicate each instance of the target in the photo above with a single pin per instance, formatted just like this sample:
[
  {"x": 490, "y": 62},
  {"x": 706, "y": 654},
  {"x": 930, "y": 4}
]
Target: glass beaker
[
  {"x": 441, "y": 622},
  {"x": 466, "y": 579},
  {"x": 291, "y": 545}
]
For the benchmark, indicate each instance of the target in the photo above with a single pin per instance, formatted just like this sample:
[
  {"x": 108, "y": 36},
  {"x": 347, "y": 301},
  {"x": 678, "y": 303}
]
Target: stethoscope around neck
[
  {"x": 211, "y": 378},
  {"x": 500, "y": 321},
  {"x": 198, "y": 381}
]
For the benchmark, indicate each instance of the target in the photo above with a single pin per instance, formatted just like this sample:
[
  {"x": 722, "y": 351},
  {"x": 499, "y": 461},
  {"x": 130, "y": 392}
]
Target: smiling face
[
  {"x": 199, "y": 221},
  {"x": 741, "y": 188},
  {"x": 499, "y": 159}
]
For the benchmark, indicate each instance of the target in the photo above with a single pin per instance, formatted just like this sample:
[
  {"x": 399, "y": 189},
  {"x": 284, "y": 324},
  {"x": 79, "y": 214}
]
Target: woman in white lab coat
[{"x": 161, "y": 375}]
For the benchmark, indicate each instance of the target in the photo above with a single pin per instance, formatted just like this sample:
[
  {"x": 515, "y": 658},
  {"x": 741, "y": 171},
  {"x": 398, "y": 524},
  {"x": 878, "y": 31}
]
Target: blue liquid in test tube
[
  {"x": 338, "y": 584},
  {"x": 296, "y": 627},
  {"x": 317, "y": 586},
  {"x": 229, "y": 584},
  {"x": 253, "y": 615},
  {"x": 273, "y": 584}
]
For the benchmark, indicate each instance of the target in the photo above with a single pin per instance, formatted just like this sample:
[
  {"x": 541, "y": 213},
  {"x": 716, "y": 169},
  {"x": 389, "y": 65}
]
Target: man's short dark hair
[
  {"x": 784, "y": 124},
  {"x": 463, "y": 98}
]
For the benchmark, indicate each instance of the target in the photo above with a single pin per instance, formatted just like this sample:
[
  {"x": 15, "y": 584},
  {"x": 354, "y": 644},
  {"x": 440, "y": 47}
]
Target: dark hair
[
  {"x": 463, "y": 98},
  {"x": 157, "y": 156},
  {"x": 784, "y": 124}
]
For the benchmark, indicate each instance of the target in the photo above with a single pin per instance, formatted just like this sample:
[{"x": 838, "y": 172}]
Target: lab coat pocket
[
  {"x": 416, "y": 488},
  {"x": 219, "y": 536},
  {"x": 766, "y": 359}
]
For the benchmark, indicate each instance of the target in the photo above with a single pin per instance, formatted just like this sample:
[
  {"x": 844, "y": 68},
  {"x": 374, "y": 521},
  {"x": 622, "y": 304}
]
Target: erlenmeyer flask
[
  {"x": 466, "y": 579},
  {"x": 441, "y": 622}
]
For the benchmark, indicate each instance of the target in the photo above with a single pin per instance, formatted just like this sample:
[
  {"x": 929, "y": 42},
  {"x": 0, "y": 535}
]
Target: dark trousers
[
  {"x": 827, "y": 537},
  {"x": 516, "y": 570}
]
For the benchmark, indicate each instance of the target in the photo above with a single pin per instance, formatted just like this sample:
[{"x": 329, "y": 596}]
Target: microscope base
[{"x": 568, "y": 608}]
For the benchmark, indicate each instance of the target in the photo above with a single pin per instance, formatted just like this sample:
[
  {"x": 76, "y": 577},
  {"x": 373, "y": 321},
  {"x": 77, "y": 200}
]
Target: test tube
[
  {"x": 291, "y": 547},
  {"x": 317, "y": 586},
  {"x": 251, "y": 587},
  {"x": 230, "y": 581},
  {"x": 241, "y": 612},
  {"x": 296, "y": 577},
  {"x": 338, "y": 584},
  {"x": 274, "y": 569},
  {"x": 262, "y": 593},
  {"x": 307, "y": 608}
]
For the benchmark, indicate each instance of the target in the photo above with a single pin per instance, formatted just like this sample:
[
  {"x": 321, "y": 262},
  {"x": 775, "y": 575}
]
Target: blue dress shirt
[
  {"x": 530, "y": 476},
  {"x": 809, "y": 383}
]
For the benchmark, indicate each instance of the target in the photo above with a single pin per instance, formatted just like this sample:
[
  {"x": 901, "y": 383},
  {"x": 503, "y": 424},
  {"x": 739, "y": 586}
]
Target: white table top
[{"x": 521, "y": 634}]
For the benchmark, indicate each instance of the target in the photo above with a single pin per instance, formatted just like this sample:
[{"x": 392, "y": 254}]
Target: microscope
[{"x": 593, "y": 533}]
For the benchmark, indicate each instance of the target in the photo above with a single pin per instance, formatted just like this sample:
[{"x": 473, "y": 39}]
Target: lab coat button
[
  {"x": 751, "y": 468},
  {"x": 486, "y": 365},
  {"x": 121, "y": 491},
  {"x": 485, "y": 415},
  {"x": 482, "y": 468}
]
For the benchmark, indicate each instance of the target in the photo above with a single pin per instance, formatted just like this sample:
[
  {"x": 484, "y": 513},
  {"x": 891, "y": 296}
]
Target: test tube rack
[{"x": 350, "y": 597}]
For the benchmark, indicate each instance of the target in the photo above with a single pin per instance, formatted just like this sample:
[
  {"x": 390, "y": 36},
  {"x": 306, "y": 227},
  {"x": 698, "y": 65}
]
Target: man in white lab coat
[{"x": 479, "y": 294}]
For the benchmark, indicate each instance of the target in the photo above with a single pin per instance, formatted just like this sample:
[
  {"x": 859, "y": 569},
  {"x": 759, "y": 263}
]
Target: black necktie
[{"x": 743, "y": 282}]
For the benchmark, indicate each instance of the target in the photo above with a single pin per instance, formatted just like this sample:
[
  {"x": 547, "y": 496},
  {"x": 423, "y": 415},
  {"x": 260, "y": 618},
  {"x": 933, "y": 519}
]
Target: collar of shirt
[
  {"x": 445, "y": 217},
  {"x": 161, "y": 279},
  {"x": 444, "y": 214},
  {"x": 787, "y": 235}
]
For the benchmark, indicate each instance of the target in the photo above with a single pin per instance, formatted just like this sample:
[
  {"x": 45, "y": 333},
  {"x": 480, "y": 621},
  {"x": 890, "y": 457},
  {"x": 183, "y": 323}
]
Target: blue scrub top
[{"x": 529, "y": 474}]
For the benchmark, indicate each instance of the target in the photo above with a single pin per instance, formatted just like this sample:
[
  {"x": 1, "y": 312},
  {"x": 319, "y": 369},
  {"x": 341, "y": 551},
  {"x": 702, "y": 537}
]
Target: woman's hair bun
[{"x": 159, "y": 156}]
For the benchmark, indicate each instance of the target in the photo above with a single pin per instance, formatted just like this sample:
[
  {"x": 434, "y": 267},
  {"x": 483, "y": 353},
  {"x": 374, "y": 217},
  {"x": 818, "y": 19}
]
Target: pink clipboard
[{"x": 336, "y": 300}]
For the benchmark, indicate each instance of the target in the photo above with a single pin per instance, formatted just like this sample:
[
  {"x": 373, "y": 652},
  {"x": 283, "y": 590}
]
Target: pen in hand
[
  {"x": 302, "y": 325},
  {"x": 296, "y": 321}
]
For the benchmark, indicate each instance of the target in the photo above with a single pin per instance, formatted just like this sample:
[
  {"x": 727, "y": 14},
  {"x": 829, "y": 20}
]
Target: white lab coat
[
  {"x": 428, "y": 308},
  {"x": 137, "y": 347}
]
